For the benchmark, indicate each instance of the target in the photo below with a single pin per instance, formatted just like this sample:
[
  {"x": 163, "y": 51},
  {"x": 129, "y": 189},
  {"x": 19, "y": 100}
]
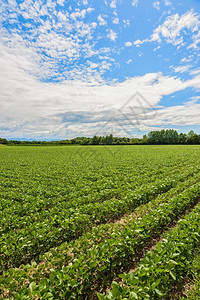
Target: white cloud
[
  {"x": 85, "y": 2},
  {"x": 102, "y": 21},
  {"x": 181, "y": 115},
  {"x": 167, "y": 3},
  {"x": 126, "y": 23},
  {"x": 116, "y": 21},
  {"x": 31, "y": 106},
  {"x": 155, "y": 49},
  {"x": 61, "y": 2},
  {"x": 135, "y": 2},
  {"x": 112, "y": 35},
  {"x": 90, "y": 9},
  {"x": 195, "y": 72},
  {"x": 175, "y": 28},
  {"x": 195, "y": 98},
  {"x": 156, "y": 4},
  {"x": 78, "y": 14},
  {"x": 34, "y": 109},
  {"x": 128, "y": 44},
  {"x": 61, "y": 39},
  {"x": 93, "y": 65},
  {"x": 174, "y": 25},
  {"x": 62, "y": 17},
  {"x": 81, "y": 13},
  {"x": 182, "y": 69},
  {"x": 137, "y": 43},
  {"x": 196, "y": 40},
  {"x": 105, "y": 65},
  {"x": 113, "y": 4},
  {"x": 186, "y": 59}
]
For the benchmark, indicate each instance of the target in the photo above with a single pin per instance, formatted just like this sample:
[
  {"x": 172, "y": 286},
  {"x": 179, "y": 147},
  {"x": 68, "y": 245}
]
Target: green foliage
[
  {"x": 160, "y": 268},
  {"x": 57, "y": 203},
  {"x": 68, "y": 194},
  {"x": 169, "y": 137},
  {"x": 192, "y": 288},
  {"x": 194, "y": 292}
]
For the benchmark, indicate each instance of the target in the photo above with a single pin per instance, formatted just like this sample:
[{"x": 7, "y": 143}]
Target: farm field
[{"x": 99, "y": 222}]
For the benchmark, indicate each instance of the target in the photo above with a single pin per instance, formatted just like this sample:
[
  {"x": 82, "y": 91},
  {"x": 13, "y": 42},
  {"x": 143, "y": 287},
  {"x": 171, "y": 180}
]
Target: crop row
[
  {"x": 103, "y": 231},
  {"x": 164, "y": 266},
  {"x": 32, "y": 193},
  {"x": 58, "y": 256},
  {"x": 26, "y": 207},
  {"x": 21, "y": 245},
  {"x": 44, "y": 205},
  {"x": 20, "y": 216},
  {"x": 54, "y": 180},
  {"x": 190, "y": 286},
  {"x": 92, "y": 269}
]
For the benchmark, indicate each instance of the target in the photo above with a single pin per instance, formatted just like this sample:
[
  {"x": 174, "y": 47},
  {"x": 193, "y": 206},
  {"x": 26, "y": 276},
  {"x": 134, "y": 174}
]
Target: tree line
[{"x": 162, "y": 137}]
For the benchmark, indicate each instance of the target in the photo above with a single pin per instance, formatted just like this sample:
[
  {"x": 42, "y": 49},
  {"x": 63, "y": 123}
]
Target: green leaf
[
  {"x": 133, "y": 295},
  {"x": 115, "y": 289},
  {"x": 32, "y": 285},
  {"x": 49, "y": 295},
  {"x": 100, "y": 296},
  {"x": 158, "y": 292},
  {"x": 173, "y": 276}
]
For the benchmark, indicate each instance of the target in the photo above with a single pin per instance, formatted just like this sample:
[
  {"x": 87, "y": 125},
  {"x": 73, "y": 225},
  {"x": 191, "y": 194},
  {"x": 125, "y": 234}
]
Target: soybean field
[{"x": 100, "y": 222}]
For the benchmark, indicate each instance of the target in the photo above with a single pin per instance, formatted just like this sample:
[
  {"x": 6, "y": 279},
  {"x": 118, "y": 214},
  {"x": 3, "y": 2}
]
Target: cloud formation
[
  {"x": 135, "y": 3},
  {"x": 56, "y": 42},
  {"x": 65, "y": 109},
  {"x": 112, "y": 35},
  {"x": 174, "y": 28},
  {"x": 67, "y": 69},
  {"x": 156, "y": 4}
]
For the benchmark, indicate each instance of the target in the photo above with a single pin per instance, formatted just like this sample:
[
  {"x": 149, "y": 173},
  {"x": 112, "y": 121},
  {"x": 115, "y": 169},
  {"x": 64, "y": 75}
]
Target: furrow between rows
[
  {"x": 21, "y": 246},
  {"x": 164, "y": 266},
  {"x": 92, "y": 269}
]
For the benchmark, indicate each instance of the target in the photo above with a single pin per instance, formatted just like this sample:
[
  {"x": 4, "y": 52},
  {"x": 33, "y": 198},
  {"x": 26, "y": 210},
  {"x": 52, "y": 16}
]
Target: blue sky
[{"x": 72, "y": 68}]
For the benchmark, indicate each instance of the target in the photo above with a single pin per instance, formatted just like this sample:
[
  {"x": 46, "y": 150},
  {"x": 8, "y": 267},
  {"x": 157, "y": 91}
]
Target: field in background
[{"x": 74, "y": 219}]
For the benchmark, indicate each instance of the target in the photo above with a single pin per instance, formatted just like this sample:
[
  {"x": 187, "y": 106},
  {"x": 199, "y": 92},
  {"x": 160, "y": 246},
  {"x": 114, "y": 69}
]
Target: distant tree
[
  {"x": 193, "y": 138},
  {"x": 182, "y": 139},
  {"x": 144, "y": 139},
  {"x": 85, "y": 141},
  {"x": 154, "y": 137},
  {"x": 3, "y": 141},
  {"x": 173, "y": 136},
  {"x": 95, "y": 140},
  {"x": 108, "y": 140},
  {"x": 190, "y": 133},
  {"x": 169, "y": 136}
]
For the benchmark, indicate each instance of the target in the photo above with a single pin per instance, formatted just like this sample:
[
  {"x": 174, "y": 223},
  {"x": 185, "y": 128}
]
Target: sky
[{"x": 88, "y": 67}]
